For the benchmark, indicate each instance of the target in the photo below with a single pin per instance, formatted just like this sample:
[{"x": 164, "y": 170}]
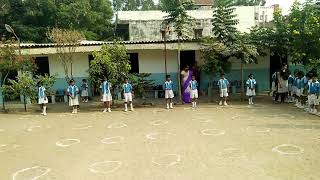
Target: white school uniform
[
  {"x": 313, "y": 90},
  {"x": 42, "y": 98},
  {"x": 127, "y": 89},
  {"x": 106, "y": 93},
  {"x": 169, "y": 90},
  {"x": 223, "y": 86},
  {"x": 251, "y": 90},
  {"x": 194, "y": 91},
  {"x": 73, "y": 95},
  {"x": 84, "y": 92}
]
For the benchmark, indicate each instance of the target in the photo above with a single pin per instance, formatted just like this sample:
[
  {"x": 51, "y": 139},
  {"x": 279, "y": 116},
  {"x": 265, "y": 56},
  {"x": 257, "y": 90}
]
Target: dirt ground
[{"x": 238, "y": 142}]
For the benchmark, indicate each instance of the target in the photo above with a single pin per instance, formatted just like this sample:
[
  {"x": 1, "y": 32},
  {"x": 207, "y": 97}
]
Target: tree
[
  {"x": 32, "y": 18},
  {"x": 181, "y": 21},
  {"x": 141, "y": 84},
  {"x": 227, "y": 42},
  {"x": 134, "y": 5},
  {"x": 111, "y": 62},
  {"x": 24, "y": 85},
  {"x": 249, "y": 2},
  {"x": 10, "y": 61},
  {"x": 66, "y": 43},
  {"x": 304, "y": 30}
]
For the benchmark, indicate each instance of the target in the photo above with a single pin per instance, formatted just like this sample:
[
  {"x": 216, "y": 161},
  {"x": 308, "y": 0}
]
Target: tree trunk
[
  {"x": 2, "y": 95},
  {"x": 242, "y": 85},
  {"x": 25, "y": 103},
  {"x": 179, "y": 70}
]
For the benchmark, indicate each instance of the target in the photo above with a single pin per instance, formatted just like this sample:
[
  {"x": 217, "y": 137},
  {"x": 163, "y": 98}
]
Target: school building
[{"x": 145, "y": 35}]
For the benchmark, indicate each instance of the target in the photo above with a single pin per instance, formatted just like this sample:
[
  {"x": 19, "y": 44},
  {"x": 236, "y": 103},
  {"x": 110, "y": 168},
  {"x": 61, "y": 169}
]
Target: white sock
[
  {"x": 131, "y": 106},
  {"x": 125, "y": 107},
  {"x": 167, "y": 106},
  {"x": 192, "y": 104},
  {"x": 44, "y": 110},
  {"x": 171, "y": 105},
  {"x": 195, "y": 104}
]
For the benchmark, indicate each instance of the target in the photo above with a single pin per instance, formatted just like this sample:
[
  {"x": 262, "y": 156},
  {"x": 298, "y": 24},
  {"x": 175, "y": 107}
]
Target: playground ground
[{"x": 238, "y": 142}]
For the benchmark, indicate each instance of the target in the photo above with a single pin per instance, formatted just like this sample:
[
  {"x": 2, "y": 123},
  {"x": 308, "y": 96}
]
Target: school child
[
  {"x": 127, "y": 90},
  {"x": 313, "y": 94},
  {"x": 73, "y": 91},
  {"x": 168, "y": 86},
  {"x": 290, "y": 87},
  {"x": 251, "y": 88},
  {"x": 194, "y": 91},
  {"x": 300, "y": 88},
  {"x": 274, "y": 85},
  {"x": 305, "y": 81},
  {"x": 294, "y": 86},
  {"x": 106, "y": 95},
  {"x": 223, "y": 84},
  {"x": 84, "y": 92},
  {"x": 42, "y": 98}
]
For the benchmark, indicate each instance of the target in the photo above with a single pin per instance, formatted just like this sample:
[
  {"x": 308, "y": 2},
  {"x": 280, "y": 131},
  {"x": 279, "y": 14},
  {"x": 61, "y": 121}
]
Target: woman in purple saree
[{"x": 186, "y": 76}]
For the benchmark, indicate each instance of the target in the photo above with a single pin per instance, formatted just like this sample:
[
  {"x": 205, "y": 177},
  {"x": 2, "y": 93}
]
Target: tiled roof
[
  {"x": 203, "y": 2},
  {"x": 98, "y": 43}
]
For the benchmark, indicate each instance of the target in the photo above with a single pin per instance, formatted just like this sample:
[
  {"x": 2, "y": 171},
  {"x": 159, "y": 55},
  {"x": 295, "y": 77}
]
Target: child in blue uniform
[
  {"x": 194, "y": 91},
  {"x": 84, "y": 92},
  {"x": 168, "y": 86},
  {"x": 73, "y": 91},
  {"x": 290, "y": 88},
  {"x": 106, "y": 95},
  {"x": 313, "y": 94},
  {"x": 42, "y": 98},
  {"x": 127, "y": 90},
  {"x": 251, "y": 88},
  {"x": 300, "y": 88},
  {"x": 223, "y": 85}
]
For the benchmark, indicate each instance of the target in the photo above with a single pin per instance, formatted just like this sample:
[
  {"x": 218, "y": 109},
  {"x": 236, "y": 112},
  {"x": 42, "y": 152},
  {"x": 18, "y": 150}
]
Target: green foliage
[
  {"x": 141, "y": 83},
  {"x": 111, "y": 62},
  {"x": 249, "y": 2},
  {"x": 32, "y": 18},
  {"x": 134, "y": 5},
  {"x": 178, "y": 16},
  {"x": 224, "y": 21},
  {"x": 215, "y": 56},
  {"x": 24, "y": 85},
  {"x": 48, "y": 82}
]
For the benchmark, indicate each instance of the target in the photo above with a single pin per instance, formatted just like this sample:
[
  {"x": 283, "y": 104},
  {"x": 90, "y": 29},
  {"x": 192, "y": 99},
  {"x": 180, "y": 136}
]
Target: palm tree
[{"x": 181, "y": 21}]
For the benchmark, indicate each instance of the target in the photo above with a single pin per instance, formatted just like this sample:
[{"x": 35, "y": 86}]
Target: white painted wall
[
  {"x": 80, "y": 65},
  {"x": 263, "y": 63},
  {"x": 152, "y": 61}
]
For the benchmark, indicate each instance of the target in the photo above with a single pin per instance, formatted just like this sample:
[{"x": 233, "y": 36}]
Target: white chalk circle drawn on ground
[
  {"x": 288, "y": 149},
  {"x": 159, "y": 135},
  {"x": 213, "y": 132},
  {"x": 157, "y": 111},
  {"x": 159, "y": 122},
  {"x": 167, "y": 160},
  {"x": 258, "y": 129},
  {"x": 231, "y": 153},
  {"x": 6, "y": 147},
  {"x": 32, "y": 128},
  {"x": 236, "y": 118},
  {"x": 2, "y": 130},
  {"x": 82, "y": 127},
  {"x": 117, "y": 125},
  {"x": 288, "y": 116},
  {"x": 112, "y": 140},
  {"x": 105, "y": 167},
  {"x": 32, "y": 173},
  {"x": 67, "y": 142}
]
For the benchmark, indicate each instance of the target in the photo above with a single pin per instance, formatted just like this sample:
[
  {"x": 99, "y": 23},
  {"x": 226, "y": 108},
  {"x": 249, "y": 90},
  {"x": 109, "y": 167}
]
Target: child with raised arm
[
  {"x": 194, "y": 91},
  {"x": 168, "y": 86},
  {"x": 127, "y": 90},
  {"x": 73, "y": 91},
  {"x": 42, "y": 98},
  {"x": 251, "y": 88},
  {"x": 223, "y": 85},
  {"x": 106, "y": 95}
]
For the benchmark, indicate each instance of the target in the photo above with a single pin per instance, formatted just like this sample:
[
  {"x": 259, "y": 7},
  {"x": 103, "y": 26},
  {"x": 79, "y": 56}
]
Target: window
[
  {"x": 261, "y": 17},
  {"x": 256, "y": 16},
  {"x": 198, "y": 33},
  {"x": 42, "y": 65},
  {"x": 134, "y": 62},
  {"x": 122, "y": 32}
]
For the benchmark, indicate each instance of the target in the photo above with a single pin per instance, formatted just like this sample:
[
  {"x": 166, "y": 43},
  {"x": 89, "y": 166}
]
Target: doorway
[
  {"x": 187, "y": 58},
  {"x": 43, "y": 66},
  {"x": 275, "y": 64}
]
